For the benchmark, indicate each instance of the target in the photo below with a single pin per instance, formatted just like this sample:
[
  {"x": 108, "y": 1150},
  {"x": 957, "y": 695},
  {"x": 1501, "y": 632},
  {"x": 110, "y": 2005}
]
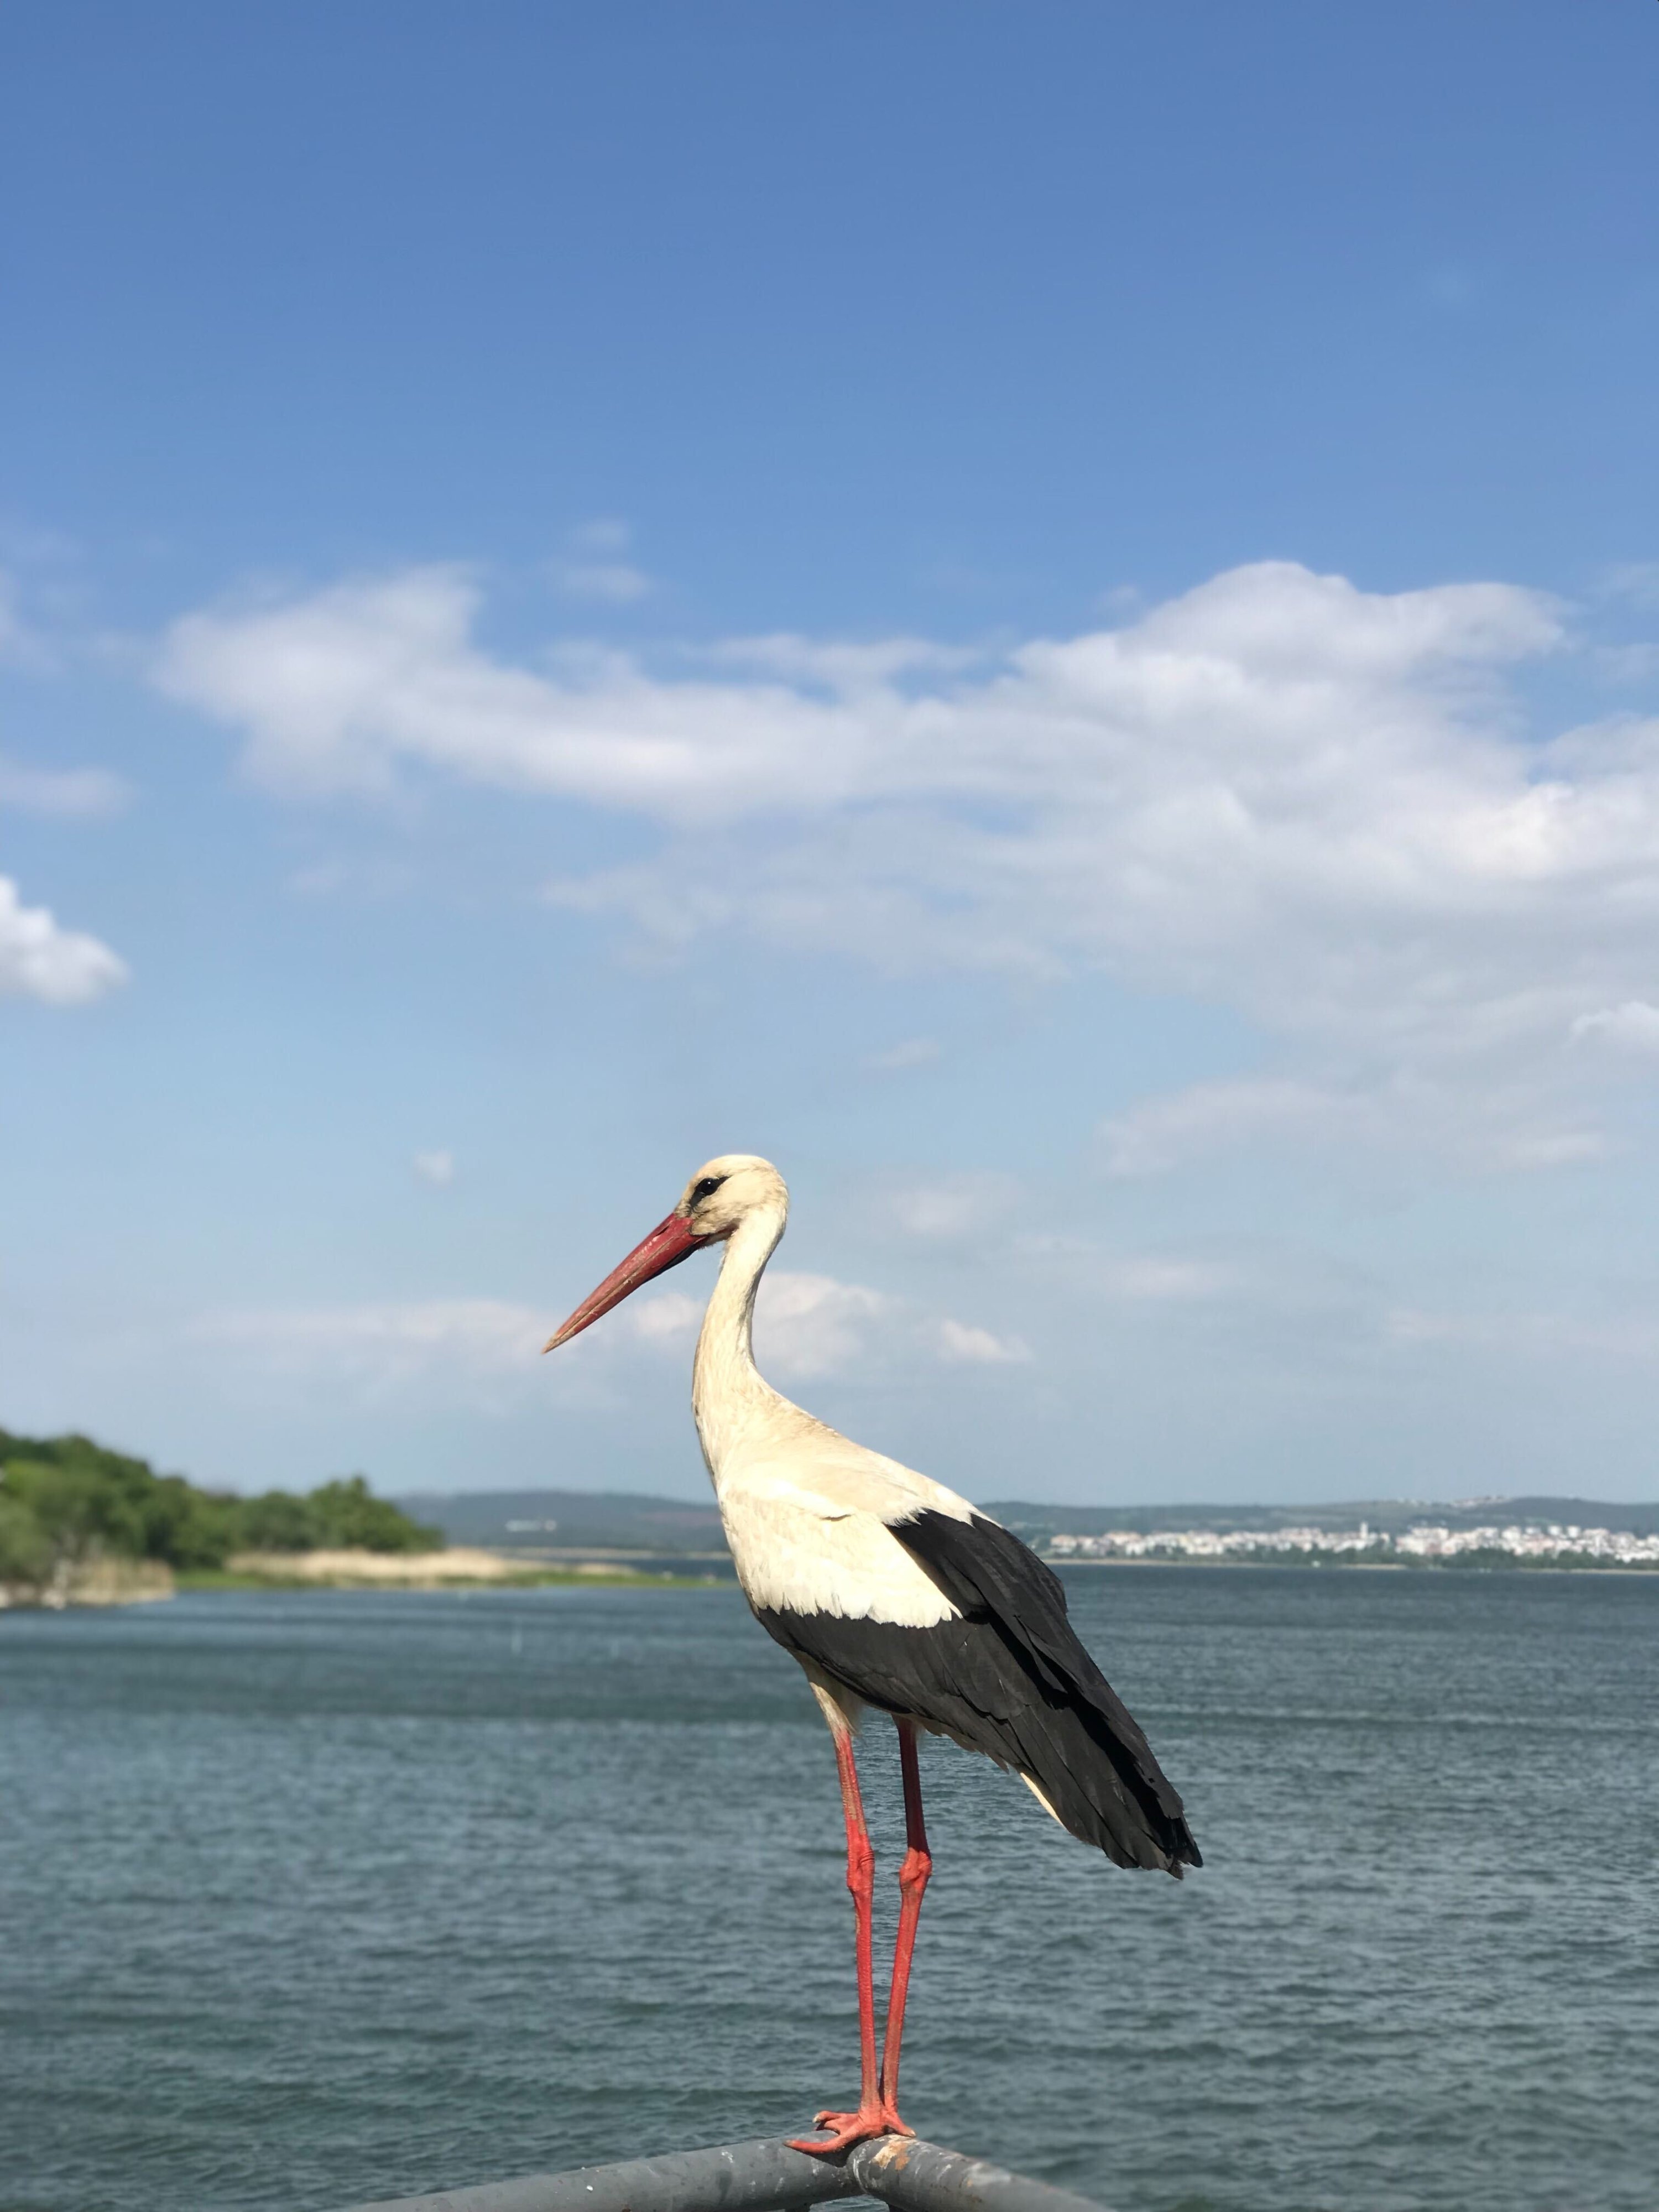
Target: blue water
[{"x": 309, "y": 1898}]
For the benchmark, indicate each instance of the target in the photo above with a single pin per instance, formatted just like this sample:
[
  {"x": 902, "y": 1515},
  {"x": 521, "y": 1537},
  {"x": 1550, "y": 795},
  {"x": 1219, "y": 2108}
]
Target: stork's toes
[{"x": 846, "y": 2129}]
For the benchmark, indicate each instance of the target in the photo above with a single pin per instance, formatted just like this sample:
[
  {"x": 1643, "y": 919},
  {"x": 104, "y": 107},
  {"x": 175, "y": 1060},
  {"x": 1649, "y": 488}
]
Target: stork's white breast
[
  {"x": 809, "y": 1533},
  {"x": 790, "y": 1558},
  {"x": 807, "y": 1515}
]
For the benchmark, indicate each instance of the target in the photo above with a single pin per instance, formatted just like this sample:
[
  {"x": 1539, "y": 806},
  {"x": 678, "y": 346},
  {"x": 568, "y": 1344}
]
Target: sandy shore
[
  {"x": 403, "y": 1570},
  {"x": 460, "y": 1562},
  {"x": 100, "y": 1582}
]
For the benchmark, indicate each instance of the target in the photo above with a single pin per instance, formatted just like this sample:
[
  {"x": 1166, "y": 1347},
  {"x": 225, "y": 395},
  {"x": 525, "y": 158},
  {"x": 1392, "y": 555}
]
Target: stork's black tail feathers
[
  {"x": 1011, "y": 1679},
  {"x": 1082, "y": 1747}
]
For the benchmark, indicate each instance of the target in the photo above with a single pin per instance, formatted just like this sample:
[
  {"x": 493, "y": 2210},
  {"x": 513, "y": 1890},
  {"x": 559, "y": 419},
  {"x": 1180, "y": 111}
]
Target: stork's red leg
[
  {"x": 913, "y": 1883},
  {"x": 875, "y": 2115}
]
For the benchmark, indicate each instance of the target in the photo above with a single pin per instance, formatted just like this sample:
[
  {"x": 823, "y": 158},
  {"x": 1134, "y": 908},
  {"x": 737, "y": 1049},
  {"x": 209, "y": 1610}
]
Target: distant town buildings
[{"x": 1563, "y": 1542}]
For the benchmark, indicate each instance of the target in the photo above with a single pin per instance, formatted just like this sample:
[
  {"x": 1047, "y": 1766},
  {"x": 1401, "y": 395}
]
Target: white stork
[{"x": 891, "y": 1591}]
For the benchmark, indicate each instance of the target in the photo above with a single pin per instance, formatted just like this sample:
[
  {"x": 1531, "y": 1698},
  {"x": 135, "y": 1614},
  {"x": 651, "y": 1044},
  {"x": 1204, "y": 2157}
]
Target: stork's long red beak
[{"x": 668, "y": 1242}]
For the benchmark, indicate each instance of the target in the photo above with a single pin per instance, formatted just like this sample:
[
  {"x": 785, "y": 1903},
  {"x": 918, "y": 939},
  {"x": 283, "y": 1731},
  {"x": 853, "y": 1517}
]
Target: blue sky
[{"x": 1049, "y": 615}]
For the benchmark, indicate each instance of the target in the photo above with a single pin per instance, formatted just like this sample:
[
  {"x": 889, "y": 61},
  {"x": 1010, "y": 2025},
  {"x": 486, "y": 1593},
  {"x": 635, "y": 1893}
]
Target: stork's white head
[
  {"x": 724, "y": 1193},
  {"x": 719, "y": 1197}
]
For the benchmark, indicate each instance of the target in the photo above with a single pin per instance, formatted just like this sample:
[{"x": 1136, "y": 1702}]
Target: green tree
[
  {"x": 277, "y": 1521},
  {"x": 66, "y": 1500},
  {"x": 79, "y": 1511},
  {"x": 25, "y": 1547},
  {"x": 190, "y": 1528},
  {"x": 350, "y": 1517}
]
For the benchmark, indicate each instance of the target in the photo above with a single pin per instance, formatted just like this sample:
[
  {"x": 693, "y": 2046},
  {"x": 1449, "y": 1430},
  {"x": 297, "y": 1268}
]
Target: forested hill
[
  {"x": 573, "y": 1520},
  {"x": 541, "y": 1520},
  {"x": 65, "y": 1501}
]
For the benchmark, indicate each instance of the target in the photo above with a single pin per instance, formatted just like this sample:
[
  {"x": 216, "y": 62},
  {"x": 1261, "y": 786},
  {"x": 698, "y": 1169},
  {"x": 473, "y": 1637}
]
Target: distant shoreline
[
  {"x": 455, "y": 1567},
  {"x": 1324, "y": 1564},
  {"x": 423, "y": 1575},
  {"x": 121, "y": 1582}
]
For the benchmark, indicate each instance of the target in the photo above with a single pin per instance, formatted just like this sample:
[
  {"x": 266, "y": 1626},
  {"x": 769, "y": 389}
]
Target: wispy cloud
[
  {"x": 378, "y": 1351},
  {"x": 1632, "y": 1026},
  {"x": 436, "y": 1168},
  {"x": 1206, "y": 1116},
  {"x": 595, "y": 567},
  {"x": 17, "y": 640},
  {"x": 807, "y": 1327},
  {"x": 1152, "y": 1279},
  {"x": 943, "y": 1209},
  {"x": 39, "y": 959},
  {"x": 1315, "y": 804},
  {"x": 836, "y": 666},
  {"x": 612, "y": 583},
  {"x": 1485, "y": 1119},
  {"x": 961, "y": 1344},
  {"x": 70, "y": 792},
  {"x": 1636, "y": 581},
  {"x": 1159, "y": 1280},
  {"x": 910, "y": 1053},
  {"x": 1630, "y": 1336}
]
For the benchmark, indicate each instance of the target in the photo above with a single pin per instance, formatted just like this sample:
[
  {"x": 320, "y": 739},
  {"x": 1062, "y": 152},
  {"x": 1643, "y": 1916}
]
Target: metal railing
[{"x": 764, "y": 2177}]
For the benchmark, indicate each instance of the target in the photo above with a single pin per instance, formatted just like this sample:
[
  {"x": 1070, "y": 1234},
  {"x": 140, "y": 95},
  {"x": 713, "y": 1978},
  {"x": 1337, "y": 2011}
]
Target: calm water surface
[{"x": 307, "y": 1898}]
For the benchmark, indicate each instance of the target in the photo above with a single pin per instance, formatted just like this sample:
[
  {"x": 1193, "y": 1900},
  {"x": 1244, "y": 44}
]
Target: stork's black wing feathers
[{"x": 1011, "y": 1679}]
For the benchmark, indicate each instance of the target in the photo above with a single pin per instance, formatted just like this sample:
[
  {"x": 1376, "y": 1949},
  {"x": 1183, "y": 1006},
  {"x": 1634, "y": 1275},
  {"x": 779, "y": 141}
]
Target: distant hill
[
  {"x": 1388, "y": 1515},
  {"x": 543, "y": 1521},
  {"x": 553, "y": 1521}
]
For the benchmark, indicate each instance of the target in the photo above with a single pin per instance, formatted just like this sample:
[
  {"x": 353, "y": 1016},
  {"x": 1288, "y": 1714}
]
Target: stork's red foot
[{"x": 846, "y": 2129}]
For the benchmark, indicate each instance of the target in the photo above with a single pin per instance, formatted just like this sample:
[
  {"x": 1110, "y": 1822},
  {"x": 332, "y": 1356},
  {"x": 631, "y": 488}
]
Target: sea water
[{"x": 309, "y": 1898}]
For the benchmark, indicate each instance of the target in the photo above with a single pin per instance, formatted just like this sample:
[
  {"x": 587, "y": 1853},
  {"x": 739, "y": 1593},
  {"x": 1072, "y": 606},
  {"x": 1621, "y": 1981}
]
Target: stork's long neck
[{"x": 726, "y": 1387}]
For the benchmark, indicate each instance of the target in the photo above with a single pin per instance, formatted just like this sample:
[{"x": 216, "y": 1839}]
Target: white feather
[
  {"x": 807, "y": 1511},
  {"x": 793, "y": 1559}
]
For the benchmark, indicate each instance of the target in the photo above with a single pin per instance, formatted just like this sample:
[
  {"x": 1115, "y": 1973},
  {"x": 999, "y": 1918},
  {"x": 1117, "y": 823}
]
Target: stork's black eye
[{"x": 706, "y": 1188}]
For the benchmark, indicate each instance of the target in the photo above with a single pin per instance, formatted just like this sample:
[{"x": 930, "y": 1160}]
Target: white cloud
[
  {"x": 1632, "y": 664},
  {"x": 947, "y": 1208},
  {"x": 961, "y": 1344},
  {"x": 1548, "y": 1148},
  {"x": 16, "y": 641},
  {"x": 1153, "y": 1280},
  {"x": 353, "y": 688},
  {"x": 811, "y": 1325},
  {"x": 806, "y": 1326},
  {"x": 1207, "y": 1115},
  {"x": 1633, "y": 1026},
  {"x": 1315, "y": 805},
  {"x": 1507, "y": 1125},
  {"x": 897, "y": 1059},
  {"x": 601, "y": 533},
  {"x": 836, "y": 666},
  {"x": 613, "y": 583},
  {"x": 67, "y": 792},
  {"x": 1082, "y": 1270},
  {"x": 1552, "y": 1337},
  {"x": 351, "y": 877},
  {"x": 670, "y": 1317},
  {"x": 1636, "y": 580},
  {"x": 438, "y": 1346},
  {"x": 598, "y": 570},
  {"x": 1242, "y": 712},
  {"x": 437, "y": 1169},
  {"x": 40, "y": 960},
  {"x": 486, "y": 1334}
]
